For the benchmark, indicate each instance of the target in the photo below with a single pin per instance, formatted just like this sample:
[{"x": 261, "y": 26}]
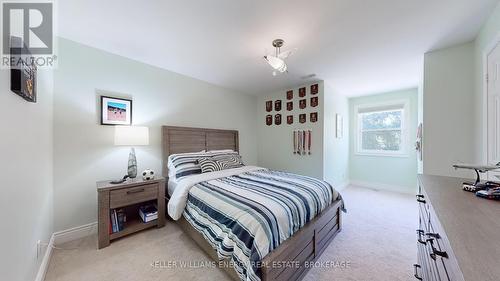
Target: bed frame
[{"x": 303, "y": 247}]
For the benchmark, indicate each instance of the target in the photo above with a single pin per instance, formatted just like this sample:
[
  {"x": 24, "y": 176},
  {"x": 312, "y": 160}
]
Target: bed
[{"x": 258, "y": 224}]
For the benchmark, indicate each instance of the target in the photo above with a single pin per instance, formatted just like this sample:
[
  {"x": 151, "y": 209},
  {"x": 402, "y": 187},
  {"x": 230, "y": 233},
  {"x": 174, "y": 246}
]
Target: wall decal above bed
[{"x": 295, "y": 106}]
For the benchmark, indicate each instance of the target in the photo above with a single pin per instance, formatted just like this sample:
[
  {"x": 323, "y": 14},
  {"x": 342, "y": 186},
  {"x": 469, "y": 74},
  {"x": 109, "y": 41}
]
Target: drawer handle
[
  {"x": 416, "y": 266},
  {"x": 433, "y": 235},
  {"x": 420, "y": 196},
  {"x": 420, "y": 232},
  {"x": 436, "y": 252},
  {"x": 135, "y": 191},
  {"x": 420, "y": 200}
]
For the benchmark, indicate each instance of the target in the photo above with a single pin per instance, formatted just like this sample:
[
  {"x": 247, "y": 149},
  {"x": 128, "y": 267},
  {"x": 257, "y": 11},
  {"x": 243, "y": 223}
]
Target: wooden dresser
[{"x": 459, "y": 234}]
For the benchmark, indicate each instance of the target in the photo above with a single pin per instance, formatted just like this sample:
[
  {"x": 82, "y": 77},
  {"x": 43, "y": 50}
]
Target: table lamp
[{"x": 131, "y": 136}]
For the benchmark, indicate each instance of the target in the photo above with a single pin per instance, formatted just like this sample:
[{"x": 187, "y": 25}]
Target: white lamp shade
[{"x": 131, "y": 135}]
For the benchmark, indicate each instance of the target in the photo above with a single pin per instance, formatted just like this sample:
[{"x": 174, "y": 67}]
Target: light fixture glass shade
[
  {"x": 276, "y": 63},
  {"x": 131, "y": 135}
]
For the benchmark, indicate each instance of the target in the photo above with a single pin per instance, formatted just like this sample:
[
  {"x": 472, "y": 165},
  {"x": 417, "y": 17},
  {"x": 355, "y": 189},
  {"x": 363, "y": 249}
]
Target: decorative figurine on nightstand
[{"x": 148, "y": 175}]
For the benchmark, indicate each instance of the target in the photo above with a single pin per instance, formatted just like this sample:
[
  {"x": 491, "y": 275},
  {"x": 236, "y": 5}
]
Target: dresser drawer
[{"x": 129, "y": 196}]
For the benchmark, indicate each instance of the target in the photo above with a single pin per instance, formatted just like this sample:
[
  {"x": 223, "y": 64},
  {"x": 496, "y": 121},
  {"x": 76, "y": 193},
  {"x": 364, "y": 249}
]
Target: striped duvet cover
[{"x": 247, "y": 215}]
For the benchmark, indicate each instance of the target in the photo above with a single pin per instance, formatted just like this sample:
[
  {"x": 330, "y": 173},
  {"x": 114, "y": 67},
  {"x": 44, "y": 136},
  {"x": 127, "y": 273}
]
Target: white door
[{"x": 493, "y": 88}]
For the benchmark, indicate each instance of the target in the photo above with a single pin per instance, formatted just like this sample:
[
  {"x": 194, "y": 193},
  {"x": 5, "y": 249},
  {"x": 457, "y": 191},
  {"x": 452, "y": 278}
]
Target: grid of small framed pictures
[{"x": 301, "y": 102}]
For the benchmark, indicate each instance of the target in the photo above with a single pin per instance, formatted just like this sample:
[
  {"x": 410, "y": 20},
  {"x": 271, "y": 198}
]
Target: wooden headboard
[{"x": 186, "y": 139}]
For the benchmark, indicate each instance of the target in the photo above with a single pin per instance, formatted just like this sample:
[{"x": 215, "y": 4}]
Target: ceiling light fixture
[{"x": 278, "y": 60}]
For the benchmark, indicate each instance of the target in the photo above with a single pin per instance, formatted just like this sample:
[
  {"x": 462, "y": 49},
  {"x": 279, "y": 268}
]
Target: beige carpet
[{"x": 377, "y": 243}]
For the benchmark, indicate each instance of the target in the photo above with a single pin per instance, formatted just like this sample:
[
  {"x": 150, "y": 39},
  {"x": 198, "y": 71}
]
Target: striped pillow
[
  {"x": 186, "y": 164},
  {"x": 220, "y": 162}
]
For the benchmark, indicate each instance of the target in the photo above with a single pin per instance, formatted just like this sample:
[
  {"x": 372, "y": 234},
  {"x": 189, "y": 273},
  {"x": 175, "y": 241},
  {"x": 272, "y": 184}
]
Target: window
[{"x": 381, "y": 130}]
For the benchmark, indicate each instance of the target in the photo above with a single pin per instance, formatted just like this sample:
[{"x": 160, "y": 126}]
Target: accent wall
[
  {"x": 275, "y": 150},
  {"x": 83, "y": 149}
]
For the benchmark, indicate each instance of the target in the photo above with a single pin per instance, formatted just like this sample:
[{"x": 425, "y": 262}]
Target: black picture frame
[
  {"x": 302, "y": 92},
  {"x": 269, "y": 120},
  {"x": 104, "y": 113},
  {"x": 23, "y": 77},
  {"x": 277, "y": 119},
  {"x": 277, "y": 105},
  {"x": 269, "y": 106}
]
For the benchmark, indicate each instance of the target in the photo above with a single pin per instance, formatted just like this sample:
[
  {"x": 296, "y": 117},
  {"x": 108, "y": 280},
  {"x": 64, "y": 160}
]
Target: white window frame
[{"x": 379, "y": 107}]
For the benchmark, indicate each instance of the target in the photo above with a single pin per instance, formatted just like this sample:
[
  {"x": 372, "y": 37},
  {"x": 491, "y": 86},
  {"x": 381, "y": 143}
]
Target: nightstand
[{"x": 128, "y": 196}]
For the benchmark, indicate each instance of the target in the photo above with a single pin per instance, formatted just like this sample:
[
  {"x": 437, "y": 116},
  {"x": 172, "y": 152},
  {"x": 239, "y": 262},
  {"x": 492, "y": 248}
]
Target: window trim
[{"x": 379, "y": 107}]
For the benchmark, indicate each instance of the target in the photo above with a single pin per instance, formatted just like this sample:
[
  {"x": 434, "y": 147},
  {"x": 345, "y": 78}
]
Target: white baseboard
[
  {"x": 75, "y": 233},
  {"x": 341, "y": 186},
  {"x": 61, "y": 237},
  {"x": 44, "y": 266},
  {"x": 383, "y": 186}
]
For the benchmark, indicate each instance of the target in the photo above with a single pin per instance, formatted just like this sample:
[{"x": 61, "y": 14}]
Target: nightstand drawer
[{"x": 129, "y": 196}]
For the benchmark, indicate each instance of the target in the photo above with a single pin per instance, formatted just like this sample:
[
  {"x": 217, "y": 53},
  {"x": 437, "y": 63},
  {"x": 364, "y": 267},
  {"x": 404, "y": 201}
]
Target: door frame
[{"x": 486, "y": 51}]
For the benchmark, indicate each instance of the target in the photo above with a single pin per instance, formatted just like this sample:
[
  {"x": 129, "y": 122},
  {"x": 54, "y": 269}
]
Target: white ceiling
[{"x": 358, "y": 46}]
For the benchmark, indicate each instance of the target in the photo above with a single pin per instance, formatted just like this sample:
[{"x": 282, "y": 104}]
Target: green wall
[{"x": 385, "y": 172}]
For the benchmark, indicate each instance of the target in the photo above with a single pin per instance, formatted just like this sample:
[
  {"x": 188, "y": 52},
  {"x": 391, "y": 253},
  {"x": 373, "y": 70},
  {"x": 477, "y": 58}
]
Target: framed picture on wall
[
  {"x": 314, "y": 89},
  {"x": 289, "y": 106},
  {"x": 302, "y": 92},
  {"x": 269, "y": 120},
  {"x": 289, "y": 119},
  {"x": 313, "y": 117},
  {"x": 302, "y": 118},
  {"x": 116, "y": 111},
  {"x": 314, "y": 101},
  {"x": 23, "y": 77},
  {"x": 277, "y": 105},
  {"x": 302, "y": 104},
  {"x": 277, "y": 119},
  {"x": 269, "y": 106},
  {"x": 339, "y": 126},
  {"x": 289, "y": 95}
]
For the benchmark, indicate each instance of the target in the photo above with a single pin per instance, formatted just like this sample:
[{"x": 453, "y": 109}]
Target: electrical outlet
[{"x": 38, "y": 248}]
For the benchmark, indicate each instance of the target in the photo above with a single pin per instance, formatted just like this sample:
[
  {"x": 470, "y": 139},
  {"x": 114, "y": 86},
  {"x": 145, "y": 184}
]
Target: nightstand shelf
[
  {"x": 132, "y": 226},
  {"x": 128, "y": 196}
]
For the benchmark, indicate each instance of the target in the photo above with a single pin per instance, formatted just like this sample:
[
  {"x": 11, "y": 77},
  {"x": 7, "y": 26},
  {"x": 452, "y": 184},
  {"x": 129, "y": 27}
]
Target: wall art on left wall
[
  {"x": 23, "y": 81},
  {"x": 116, "y": 111}
]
